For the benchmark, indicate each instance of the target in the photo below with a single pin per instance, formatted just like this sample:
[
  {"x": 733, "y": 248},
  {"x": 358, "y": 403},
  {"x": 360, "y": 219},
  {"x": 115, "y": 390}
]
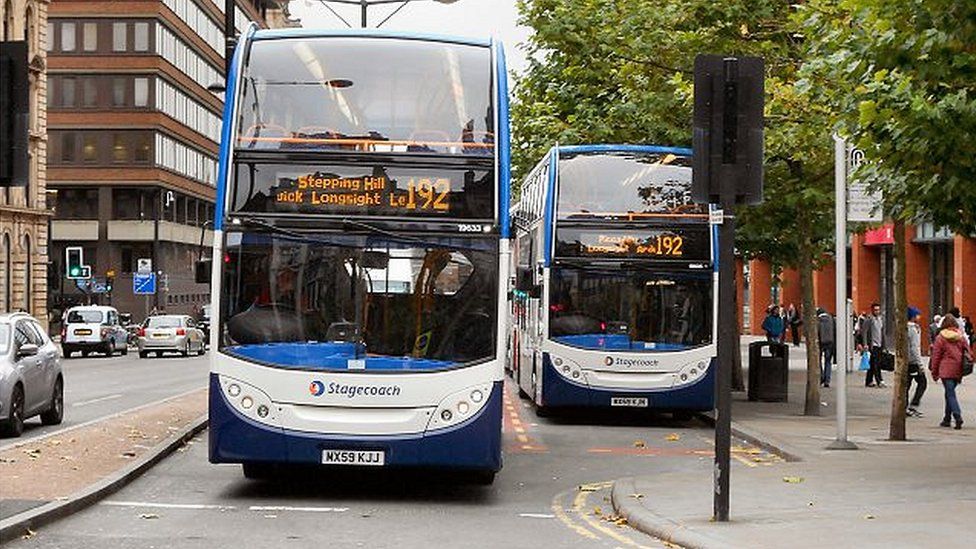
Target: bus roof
[
  {"x": 572, "y": 149},
  {"x": 280, "y": 34}
]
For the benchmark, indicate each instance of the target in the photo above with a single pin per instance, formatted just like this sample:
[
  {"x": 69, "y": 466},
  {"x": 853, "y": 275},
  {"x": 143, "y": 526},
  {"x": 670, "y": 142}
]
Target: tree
[
  {"x": 617, "y": 71},
  {"x": 901, "y": 77}
]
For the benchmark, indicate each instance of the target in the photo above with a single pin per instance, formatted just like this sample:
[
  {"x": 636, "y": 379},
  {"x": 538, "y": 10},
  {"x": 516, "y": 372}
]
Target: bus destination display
[
  {"x": 371, "y": 191},
  {"x": 676, "y": 243}
]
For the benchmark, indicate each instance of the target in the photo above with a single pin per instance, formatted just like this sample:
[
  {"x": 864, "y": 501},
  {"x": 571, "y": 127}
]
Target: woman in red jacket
[{"x": 946, "y": 364}]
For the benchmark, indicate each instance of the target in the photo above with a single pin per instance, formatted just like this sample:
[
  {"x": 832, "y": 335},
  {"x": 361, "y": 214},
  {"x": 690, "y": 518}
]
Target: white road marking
[
  {"x": 266, "y": 508},
  {"x": 99, "y": 399},
  {"x": 537, "y": 515},
  {"x": 156, "y": 505}
]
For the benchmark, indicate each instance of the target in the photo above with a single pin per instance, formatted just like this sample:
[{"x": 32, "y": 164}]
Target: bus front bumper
[
  {"x": 474, "y": 444},
  {"x": 558, "y": 391}
]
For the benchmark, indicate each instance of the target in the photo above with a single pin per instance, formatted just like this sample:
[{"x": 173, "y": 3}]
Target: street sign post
[
  {"x": 144, "y": 283},
  {"x": 727, "y": 170}
]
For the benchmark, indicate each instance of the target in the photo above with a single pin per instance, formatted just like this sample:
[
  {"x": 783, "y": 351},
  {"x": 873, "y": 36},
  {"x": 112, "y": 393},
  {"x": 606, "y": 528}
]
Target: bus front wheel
[
  {"x": 257, "y": 471},
  {"x": 482, "y": 478}
]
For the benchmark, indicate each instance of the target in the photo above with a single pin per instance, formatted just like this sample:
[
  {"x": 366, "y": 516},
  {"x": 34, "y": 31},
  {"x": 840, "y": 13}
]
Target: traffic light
[
  {"x": 109, "y": 281},
  {"x": 74, "y": 263}
]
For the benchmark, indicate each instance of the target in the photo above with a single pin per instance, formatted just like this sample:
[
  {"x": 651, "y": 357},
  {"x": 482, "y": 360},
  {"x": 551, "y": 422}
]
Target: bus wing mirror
[{"x": 202, "y": 271}]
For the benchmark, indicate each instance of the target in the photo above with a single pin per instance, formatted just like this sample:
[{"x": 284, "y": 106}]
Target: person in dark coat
[
  {"x": 946, "y": 364},
  {"x": 793, "y": 320},
  {"x": 825, "y": 329},
  {"x": 773, "y": 324}
]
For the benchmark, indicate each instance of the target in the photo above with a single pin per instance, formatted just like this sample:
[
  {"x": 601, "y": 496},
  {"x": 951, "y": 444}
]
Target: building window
[
  {"x": 89, "y": 148},
  {"x": 89, "y": 92},
  {"x": 67, "y": 37},
  {"x": 67, "y": 92},
  {"x": 120, "y": 152},
  {"x": 118, "y": 92},
  {"x": 142, "y": 148},
  {"x": 141, "y": 92},
  {"x": 141, "y": 32},
  {"x": 68, "y": 147},
  {"x": 119, "y": 36},
  {"x": 89, "y": 33},
  {"x": 126, "y": 204},
  {"x": 77, "y": 204}
]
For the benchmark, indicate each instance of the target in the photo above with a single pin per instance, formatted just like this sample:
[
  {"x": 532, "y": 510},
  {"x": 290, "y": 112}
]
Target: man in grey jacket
[
  {"x": 915, "y": 369},
  {"x": 872, "y": 341},
  {"x": 826, "y": 329}
]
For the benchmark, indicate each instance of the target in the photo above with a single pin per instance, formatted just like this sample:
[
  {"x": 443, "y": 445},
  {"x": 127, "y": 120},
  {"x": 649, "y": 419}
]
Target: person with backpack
[
  {"x": 825, "y": 329},
  {"x": 949, "y": 354},
  {"x": 916, "y": 371}
]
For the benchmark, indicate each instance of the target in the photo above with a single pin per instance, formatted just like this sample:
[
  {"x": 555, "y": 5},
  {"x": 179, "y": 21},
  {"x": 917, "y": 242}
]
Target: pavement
[{"x": 916, "y": 493}]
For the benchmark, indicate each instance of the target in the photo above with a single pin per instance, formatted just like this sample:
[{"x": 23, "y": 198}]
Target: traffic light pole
[{"x": 157, "y": 211}]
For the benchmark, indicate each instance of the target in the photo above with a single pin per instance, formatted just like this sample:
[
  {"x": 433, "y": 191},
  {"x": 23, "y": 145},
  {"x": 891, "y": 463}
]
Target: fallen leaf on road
[
  {"x": 869, "y": 517},
  {"x": 640, "y": 444},
  {"x": 793, "y": 480},
  {"x": 54, "y": 442},
  {"x": 673, "y": 437},
  {"x": 587, "y": 487},
  {"x": 149, "y": 516},
  {"x": 637, "y": 496},
  {"x": 597, "y": 511},
  {"x": 28, "y": 534},
  {"x": 128, "y": 454}
]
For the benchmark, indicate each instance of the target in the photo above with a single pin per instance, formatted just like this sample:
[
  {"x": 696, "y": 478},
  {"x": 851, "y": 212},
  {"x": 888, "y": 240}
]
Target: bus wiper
[{"x": 346, "y": 223}]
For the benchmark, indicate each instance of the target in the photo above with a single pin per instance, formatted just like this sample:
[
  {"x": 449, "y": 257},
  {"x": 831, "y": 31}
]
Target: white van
[{"x": 93, "y": 328}]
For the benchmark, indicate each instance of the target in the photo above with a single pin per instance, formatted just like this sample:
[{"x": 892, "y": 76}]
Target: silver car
[
  {"x": 174, "y": 333},
  {"x": 31, "y": 381}
]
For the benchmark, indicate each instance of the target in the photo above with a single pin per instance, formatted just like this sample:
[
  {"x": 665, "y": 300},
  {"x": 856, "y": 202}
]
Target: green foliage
[
  {"x": 901, "y": 76},
  {"x": 619, "y": 71}
]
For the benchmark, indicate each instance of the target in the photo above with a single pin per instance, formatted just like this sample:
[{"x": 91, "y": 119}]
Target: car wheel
[
  {"x": 14, "y": 425},
  {"x": 186, "y": 349},
  {"x": 55, "y": 413},
  {"x": 84, "y": 354},
  {"x": 143, "y": 354},
  {"x": 125, "y": 348},
  {"x": 159, "y": 354},
  {"x": 203, "y": 349},
  {"x": 66, "y": 352}
]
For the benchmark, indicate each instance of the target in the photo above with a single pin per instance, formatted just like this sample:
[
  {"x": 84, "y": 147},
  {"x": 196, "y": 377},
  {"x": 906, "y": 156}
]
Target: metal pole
[
  {"x": 363, "y": 4},
  {"x": 726, "y": 301},
  {"x": 230, "y": 36},
  {"x": 155, "y": 248},
  {"x": 842, "y": 319}
]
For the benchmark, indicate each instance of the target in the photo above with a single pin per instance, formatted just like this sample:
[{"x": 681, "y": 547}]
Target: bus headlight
[
  {"x": 459, "y": 406},
  {"x": 568, "y": 368},
  {"x": 691, "y": 372},
  {"x": 248, "y": 400}
]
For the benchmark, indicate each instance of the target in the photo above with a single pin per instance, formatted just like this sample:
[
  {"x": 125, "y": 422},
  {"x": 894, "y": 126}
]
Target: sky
[{"x": 474, "y": 18}]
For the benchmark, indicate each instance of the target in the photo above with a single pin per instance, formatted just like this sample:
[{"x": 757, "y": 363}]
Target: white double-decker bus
[
  {"x": 614, "y": 279},
  {"x": 360, "y": 253}
]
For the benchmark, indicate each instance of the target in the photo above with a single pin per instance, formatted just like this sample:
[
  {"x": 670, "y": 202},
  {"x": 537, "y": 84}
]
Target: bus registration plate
[
  {"x": 632, "y": 402},
  {"x": 353, "y": 457}
]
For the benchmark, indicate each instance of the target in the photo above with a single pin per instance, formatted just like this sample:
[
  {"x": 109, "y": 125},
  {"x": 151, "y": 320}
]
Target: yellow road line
[
  {"x": 560, "y": 513},
  {"x": 523, "y": 439},
  {"x": 579, "y": 505}
]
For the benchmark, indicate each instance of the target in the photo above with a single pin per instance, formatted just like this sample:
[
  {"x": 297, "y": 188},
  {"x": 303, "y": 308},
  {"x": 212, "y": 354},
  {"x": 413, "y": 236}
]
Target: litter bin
[{"x": 768, "y": 371}]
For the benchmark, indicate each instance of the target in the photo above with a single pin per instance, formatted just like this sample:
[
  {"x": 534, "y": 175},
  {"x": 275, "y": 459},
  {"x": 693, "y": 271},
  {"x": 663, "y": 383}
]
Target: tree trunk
[
  {"x": 899, "y": 397},
  {"x": 811, "y": 405}
]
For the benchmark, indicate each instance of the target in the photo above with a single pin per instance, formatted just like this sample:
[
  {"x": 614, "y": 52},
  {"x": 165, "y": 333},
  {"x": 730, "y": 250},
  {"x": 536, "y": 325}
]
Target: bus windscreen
[
  {"x": 625, "y": 185},
  {"x": 367, "y": 95}
]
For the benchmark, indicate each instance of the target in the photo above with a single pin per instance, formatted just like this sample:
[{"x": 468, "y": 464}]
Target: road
[
  {"x": 99, "y": 386},
  {"x": 184, "y": 502}
]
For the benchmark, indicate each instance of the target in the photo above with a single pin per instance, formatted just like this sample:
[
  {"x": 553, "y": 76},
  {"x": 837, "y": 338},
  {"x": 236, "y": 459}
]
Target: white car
[
  {"x": 174, "y": 333},
  {"x": 31, "y": 382},
  {"x": 93, "y": 328}
]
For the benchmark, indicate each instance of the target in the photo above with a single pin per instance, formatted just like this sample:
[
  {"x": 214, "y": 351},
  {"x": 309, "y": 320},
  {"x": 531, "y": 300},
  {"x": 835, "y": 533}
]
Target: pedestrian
[
  {"x": 773, "y": 324},
  {"x": 934, "y": 328},
  {"x": 963, "y": 329},
  {"x": 916, "y": 371},
  {"x": 826, "y": 330},
  {"x": 873, "y": 341},
  {"x": 946, "y": 364},
  {"x": 794, "y": 320},
  {"x": 969, "y": 329}
]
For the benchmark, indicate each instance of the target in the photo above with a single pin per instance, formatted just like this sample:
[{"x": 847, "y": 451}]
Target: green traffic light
[{"x": 75, "y": 271}]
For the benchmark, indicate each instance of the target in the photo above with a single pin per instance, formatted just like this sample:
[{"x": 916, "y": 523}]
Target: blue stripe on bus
[
  {"x": 549, "y": 216},
  {"x": 571, "y": 149},
  {"x": 473, "y": 444},
  {"x": 504, "y": 144},
  {"x": 226, "y": 139},
  {"x": 279, "y": 34},
  {"x": 617, "y": 342},
  {"x": 330, "y": 356},
  {"x": 559, "y": 391}
]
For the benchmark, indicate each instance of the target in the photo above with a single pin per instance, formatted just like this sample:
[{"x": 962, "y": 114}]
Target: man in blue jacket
[{"x": 773, "y": 325}]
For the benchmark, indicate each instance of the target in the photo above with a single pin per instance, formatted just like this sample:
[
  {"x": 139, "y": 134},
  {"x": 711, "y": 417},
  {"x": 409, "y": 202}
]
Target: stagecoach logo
[
  {"x": 318, "y": 388},
  {"x": 629, "y": 362}
]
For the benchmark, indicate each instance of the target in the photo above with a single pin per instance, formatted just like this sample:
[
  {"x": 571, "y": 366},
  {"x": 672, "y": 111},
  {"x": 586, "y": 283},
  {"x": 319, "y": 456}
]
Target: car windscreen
[
  {"x": 340, "y": 301},
  {"x": 367, "y": 95},
  {"x": 622, "y": 308},
  {"x": 85, "y": 317},
  {"x": 164, "y": 322}
]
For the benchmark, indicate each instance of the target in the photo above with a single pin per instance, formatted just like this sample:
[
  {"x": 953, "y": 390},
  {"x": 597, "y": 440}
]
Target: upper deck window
[
  {"x": 625, "y": 185},
  {"x": 368, "y": 95}
]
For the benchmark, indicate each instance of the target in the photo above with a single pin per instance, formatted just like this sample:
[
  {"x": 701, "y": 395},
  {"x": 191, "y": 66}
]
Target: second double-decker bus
[
  {"x": 613, "y": 282},
  {"x": 360, "y": 253}
]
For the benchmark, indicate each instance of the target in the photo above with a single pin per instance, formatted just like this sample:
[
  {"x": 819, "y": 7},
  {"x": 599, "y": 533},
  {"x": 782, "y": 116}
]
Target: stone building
[{"x": 24, "y": 211}]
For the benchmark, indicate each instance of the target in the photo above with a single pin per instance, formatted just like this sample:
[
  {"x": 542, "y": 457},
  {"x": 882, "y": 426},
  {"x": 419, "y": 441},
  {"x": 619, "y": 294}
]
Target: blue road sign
[{"x": 143, "y": 283}]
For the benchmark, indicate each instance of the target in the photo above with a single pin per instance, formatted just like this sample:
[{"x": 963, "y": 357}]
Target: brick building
[
  {"x": 134, "y": 138},
  {"x": 24, "y": 212},
  {"x": 941, "y": 273}
]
